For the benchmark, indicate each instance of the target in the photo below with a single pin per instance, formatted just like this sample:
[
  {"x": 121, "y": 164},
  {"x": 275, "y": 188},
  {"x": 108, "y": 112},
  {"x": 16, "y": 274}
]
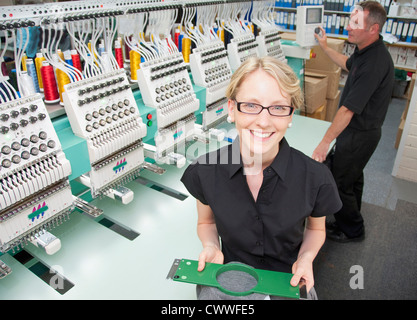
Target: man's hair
[
  {"x": 377, "y": 14},
  {"x": 280, "y": 71}
]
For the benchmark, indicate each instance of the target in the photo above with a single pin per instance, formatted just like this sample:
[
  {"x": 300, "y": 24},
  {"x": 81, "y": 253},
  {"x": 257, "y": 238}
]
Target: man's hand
[
  {"x": 320, "y": 153},
  {"x": 322, "y": 40}
]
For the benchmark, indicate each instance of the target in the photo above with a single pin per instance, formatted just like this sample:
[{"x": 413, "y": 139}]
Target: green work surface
[{"x": 268, "y": 282}]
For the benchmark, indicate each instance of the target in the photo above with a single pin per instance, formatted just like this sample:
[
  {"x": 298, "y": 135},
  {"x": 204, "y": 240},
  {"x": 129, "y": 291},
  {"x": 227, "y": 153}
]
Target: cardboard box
[
  {"x": 399, "y": 133},
  {"x": 315, "y": 89},
  {"x": 332, "y": 105},
  {"x": 322, "y": 61},
  {"x": 319, "y": 114},
  {"x": 333, "y": 79}
]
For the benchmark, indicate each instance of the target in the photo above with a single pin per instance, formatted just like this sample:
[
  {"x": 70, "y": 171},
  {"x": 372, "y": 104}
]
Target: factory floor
[
  {"x": 383, "y": 265},
  {"x": 105, "y": 259}
]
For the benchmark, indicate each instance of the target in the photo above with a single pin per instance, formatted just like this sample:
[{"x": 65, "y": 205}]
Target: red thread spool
[
  {"x": 76, "y": 62},
  {"x": 176, "y": 38},
  {"x": 49, "y": 83},
  {"x": 119, "y": 57}
]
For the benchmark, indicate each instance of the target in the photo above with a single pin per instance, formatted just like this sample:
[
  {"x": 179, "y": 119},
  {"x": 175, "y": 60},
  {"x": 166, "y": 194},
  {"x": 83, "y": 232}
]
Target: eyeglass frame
[{"x": 267, "y": 108}]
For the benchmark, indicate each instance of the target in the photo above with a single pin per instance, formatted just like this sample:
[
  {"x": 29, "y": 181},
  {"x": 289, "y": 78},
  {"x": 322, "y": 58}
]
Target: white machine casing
[
  {"x": 210, "y": 68},
  {"x": 308, "y": 19},
  {"x": 166, "y": 86},
  {"x": 103, "y": 111},
  {"x": 269, "y": 44},
  {"x": 241, "y": 48},
  {"x": 33, "y": 169}
]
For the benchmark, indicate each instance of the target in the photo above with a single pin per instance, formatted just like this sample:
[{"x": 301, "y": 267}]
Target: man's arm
[
  {"x": 340, "y": 122},
  {"x": 336, "y": 57}
]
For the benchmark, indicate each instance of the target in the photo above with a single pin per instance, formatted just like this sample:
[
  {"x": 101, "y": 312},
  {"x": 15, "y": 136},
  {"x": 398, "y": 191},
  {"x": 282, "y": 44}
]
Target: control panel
[
  {"x": 103, "y": 111},
  {"x": 34, "y": 190},
  {"x": 308, "y": 19}
]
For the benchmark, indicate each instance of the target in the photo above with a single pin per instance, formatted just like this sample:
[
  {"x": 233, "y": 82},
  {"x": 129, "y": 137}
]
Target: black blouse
[{"x": 266, "y": 234}]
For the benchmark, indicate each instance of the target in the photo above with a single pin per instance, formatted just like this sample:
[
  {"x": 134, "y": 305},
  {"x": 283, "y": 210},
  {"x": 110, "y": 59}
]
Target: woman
[{"x": 267, "y": 202}]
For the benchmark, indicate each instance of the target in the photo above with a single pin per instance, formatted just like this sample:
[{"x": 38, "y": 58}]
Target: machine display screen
[{"x": 313, "y": 15}]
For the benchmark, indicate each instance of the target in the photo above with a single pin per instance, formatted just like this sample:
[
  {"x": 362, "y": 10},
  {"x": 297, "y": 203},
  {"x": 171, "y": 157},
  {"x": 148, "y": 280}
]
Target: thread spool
[
  {"x": 180, "y": 39},
  {"x": 62, "y": 79},
  {"x": 76, "y": 62},
  {"x": 49, "y": 83},
  {"x": 100, "y": 49},
  {"x": 118, "y": 53},
  {"x": 134, "y": 65},
  {"x": 24, "y": 58},
  {"x": 127, "y": 50},
  {"x": 38, "y": 63},
  {"x": 176, "y": 38},
  {"x": 186, "y": 48},
  {"x": 26, "y": 83},
  {"x": 31, "y": 70}
]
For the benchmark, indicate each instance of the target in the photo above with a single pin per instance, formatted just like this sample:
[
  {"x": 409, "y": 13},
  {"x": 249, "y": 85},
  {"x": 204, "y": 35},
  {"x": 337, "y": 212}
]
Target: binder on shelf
[
  {"x": 404, "y": 32},
  {"x": 346, "y": 7},
  {"x": 399, "y": 30},
  {"x": 414, "y": 39},
  {"x": 345, "y": 31},
  {"x": 389, "y": 22},
  {"x": 329, "y": 24},
  {"x": 410, "y": 32},
  {"x": 337, "y": 26}
]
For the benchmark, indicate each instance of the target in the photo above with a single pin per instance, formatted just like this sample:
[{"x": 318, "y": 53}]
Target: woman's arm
[
  {"x": 207, "y": 233},
  {"x": 314, "y": 237}
]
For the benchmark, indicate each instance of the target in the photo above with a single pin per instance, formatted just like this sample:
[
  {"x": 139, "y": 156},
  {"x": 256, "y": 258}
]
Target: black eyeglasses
[{"x": 254, "y": 108}]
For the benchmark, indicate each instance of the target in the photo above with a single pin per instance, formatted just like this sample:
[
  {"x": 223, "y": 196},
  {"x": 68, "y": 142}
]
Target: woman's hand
[
  {"x": 302, "y": 270},
  {"x": 210, "y": 254}
]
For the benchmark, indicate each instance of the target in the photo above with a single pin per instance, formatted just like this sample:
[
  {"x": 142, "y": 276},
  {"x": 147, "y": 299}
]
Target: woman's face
[{"x": 260, "y": 134}]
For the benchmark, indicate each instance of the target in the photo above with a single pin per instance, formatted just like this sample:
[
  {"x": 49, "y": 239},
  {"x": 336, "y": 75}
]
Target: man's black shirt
[
  {"x": 369, "y": 86},
  {"x": 266, "y": 234}
]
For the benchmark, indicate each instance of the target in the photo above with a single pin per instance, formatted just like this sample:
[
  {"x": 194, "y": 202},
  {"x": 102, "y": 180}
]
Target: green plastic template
[{"x": 268, "y": 282}]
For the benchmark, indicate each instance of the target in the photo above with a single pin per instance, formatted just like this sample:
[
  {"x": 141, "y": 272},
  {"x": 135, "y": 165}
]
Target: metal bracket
[
  {"x": 153, "y": 168},
  {"x": 268, "y": 282},
  {"x": 5, "y": 270},
  {"x": 87, "y": 208},
  {"x": 47, "y": 241}
]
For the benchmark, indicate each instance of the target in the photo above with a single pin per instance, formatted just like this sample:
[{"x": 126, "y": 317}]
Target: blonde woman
[{"x": 259, "y": 201}]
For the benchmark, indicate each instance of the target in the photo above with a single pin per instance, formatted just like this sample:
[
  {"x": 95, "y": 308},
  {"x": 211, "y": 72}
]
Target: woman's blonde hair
[{"x": 280, "y": 71}]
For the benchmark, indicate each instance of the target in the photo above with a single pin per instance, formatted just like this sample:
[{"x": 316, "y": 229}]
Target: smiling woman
[{"x": 257, "y": 193}]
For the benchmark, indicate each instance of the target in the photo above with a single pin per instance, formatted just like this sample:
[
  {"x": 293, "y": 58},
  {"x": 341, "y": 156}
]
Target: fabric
[{"x": 239, "y": 281}]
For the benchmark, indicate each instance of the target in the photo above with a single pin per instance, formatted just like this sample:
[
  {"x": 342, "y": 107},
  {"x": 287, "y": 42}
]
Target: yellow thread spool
[
  {"x": 24, "y": 68},
  {"x": 38, "y": 64},
  {"x": 134, "y": 64},
  {"x": 186, "y": 48},
  {"x": 62, "y": 79}
]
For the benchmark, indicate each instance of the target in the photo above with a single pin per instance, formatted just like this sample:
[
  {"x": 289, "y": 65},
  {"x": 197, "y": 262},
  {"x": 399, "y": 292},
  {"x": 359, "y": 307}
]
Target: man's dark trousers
[{"x": 354, "y": 148}]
